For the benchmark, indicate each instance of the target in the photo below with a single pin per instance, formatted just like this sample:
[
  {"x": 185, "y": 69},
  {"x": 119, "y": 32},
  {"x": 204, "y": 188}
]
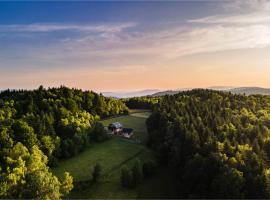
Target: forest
[
  {"x": 213, "y": 144},
  {"x": 145, "y": 102},
  {"x": 40, "y": 127},
  {"x": 216, "y": 144}
]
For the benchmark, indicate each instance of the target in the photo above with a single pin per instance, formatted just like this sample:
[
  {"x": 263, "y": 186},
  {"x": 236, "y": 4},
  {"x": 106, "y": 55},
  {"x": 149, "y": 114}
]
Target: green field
[
  {"x": 109, "y": 154},
  {"x": 112, "y": 154},
  {"x": 135, "y": 120}
]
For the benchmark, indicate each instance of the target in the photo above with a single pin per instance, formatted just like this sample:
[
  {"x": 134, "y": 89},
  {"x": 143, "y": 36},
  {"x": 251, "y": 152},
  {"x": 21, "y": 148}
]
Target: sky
[{"x": 134, "y": 45}]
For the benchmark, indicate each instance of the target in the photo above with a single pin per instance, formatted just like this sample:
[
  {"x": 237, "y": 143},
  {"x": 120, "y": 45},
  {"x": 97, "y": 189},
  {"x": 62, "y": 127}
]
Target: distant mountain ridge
[
  {"x": 250, "y": 90},
  {"x": 156, "y": 92},
  {"x": 234, "y": 90},
  {"x": 123, "y": 94},
  {"x": 167, "y": 92}
]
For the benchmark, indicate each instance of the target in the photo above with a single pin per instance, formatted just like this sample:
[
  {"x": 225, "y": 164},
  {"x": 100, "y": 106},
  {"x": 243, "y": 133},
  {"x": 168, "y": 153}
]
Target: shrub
[
  {"x": 98, "y": 132},
  {"x": 96, "y": 174},
  {"x": 126, "y": 177},
  {"x": 137, "y": 175},
  {"x": 148, "y": 169}
]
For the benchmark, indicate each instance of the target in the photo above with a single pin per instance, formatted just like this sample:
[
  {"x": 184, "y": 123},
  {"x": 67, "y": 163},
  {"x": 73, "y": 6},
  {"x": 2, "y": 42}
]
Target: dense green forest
[
  {"x": 39, "y": 127},
  {"x": 146, "y": 102},
  {"x": 216, "y": 144}
]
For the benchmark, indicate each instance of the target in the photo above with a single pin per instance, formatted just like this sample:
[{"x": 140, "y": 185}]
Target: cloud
[
  {"x": 222, "y": 38},
  {"x": 250, "y": 18},
  {"x": 92, "y": 52},
  {"x": 108, "y": 49},
  {"x": 104, "y": 45},
  {"x": 247, "y": 12},
  {"x": 245, "y": 5},
  {"x": 148, "y": 48},
  {"x": 65, "y": 27},
  {"x": 247, "y": 28},
  {"x": 239, "y": 12}
]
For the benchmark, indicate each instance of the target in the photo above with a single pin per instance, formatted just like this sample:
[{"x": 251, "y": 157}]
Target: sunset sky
[{"x": 113, "y": 46}]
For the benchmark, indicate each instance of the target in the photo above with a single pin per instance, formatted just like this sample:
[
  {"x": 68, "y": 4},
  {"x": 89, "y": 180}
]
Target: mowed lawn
[{"x": 112, "y": 154}]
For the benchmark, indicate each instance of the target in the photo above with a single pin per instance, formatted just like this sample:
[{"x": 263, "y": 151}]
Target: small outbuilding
[{"x": 127, "y": 132}]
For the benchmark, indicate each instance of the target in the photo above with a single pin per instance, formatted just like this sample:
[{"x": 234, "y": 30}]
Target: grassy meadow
[
  {"x": 112, "y": 154},
  {"x": 109, "y": 154}
]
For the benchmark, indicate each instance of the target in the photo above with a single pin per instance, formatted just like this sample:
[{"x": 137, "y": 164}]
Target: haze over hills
[
  {"x": 235, "y": 90},
  {"x": 250, "y": 90},
  {"x": 156, "y": 92},
  {"x": 125, "y": 94}
]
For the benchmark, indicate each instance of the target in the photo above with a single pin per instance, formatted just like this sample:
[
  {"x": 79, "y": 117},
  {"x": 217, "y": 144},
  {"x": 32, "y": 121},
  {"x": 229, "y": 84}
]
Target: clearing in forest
[{"x": 112, "y": 155}]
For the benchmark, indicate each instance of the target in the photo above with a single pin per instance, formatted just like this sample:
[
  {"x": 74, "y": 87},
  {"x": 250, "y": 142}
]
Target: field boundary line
[{"x": 122, "y": 163}]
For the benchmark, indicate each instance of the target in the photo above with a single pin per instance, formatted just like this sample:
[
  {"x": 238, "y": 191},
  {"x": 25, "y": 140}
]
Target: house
[{"x": 115, "y": 128}]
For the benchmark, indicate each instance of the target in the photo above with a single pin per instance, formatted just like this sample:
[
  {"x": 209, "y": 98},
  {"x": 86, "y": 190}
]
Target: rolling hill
[
  {"x": 237, "y": 90},
  {"x": 125, "y": 94},
  {"x": 250, "y": 90},
  {"x": 156, "y": 93}
]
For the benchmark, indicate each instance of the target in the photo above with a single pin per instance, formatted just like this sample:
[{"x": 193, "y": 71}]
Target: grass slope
[
  {"x": 112, "y": 155},
  {"x": 108, "y": 154}
]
